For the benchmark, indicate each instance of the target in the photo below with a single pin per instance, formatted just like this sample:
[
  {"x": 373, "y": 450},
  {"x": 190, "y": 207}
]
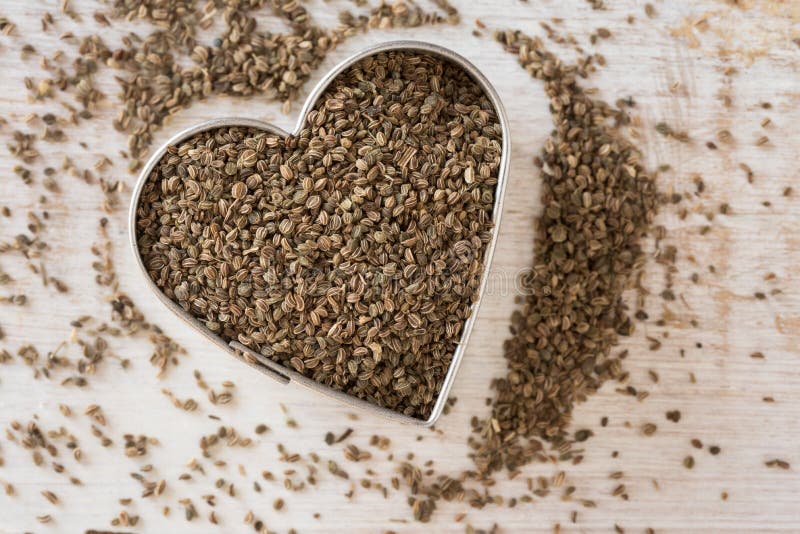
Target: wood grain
[{"x": 673, "y": 79}]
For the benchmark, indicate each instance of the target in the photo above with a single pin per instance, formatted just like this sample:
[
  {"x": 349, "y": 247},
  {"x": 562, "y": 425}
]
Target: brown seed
[
  {"x": 724, "y": 136},
  {"x": 674, "y": 415},
  {"x": 238, "y": 190},
  {"x": 777, "y": 462}
]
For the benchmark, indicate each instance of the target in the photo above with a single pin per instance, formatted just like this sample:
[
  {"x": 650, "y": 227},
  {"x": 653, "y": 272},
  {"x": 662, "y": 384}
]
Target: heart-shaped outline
[{"x": 274, "y": 369}]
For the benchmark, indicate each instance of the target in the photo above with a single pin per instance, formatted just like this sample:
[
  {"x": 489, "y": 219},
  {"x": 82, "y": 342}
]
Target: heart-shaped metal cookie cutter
[{"x": 274, "y": 369}]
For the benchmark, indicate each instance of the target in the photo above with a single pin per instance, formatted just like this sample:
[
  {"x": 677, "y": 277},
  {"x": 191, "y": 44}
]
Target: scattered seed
[{"x": 776, "y": 462}]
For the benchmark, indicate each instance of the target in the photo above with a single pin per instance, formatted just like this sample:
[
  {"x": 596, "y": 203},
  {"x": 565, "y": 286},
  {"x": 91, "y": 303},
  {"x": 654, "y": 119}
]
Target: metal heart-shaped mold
[{"x": 274, "y": 369}]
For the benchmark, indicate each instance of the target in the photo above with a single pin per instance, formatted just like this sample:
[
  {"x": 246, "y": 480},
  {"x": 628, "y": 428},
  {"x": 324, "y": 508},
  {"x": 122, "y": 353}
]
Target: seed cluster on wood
[{"x": 598, "y": 204}]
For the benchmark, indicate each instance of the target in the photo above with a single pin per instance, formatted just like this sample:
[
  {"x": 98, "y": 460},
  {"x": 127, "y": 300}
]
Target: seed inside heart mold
[{"x": 350, "y": 252}]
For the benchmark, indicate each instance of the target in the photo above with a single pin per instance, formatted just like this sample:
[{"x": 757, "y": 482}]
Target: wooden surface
[{"x": 678, "y": 79}]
